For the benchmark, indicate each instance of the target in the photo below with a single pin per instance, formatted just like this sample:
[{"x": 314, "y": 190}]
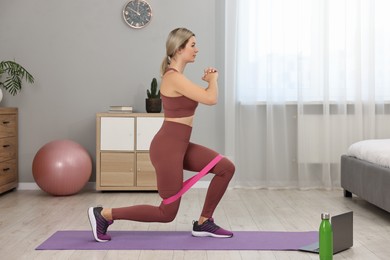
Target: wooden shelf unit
[
  {"x": 122, "y": 150},
  {"x": 8, "y": 148}
]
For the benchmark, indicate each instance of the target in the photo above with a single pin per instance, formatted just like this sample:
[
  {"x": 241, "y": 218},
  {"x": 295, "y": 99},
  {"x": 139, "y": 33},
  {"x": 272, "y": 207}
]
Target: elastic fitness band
[{"x": 191, "y": 181}]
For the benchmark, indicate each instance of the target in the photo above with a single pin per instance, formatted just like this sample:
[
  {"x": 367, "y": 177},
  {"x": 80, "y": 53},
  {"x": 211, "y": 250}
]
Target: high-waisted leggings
[{"x": 171, "y": 152}]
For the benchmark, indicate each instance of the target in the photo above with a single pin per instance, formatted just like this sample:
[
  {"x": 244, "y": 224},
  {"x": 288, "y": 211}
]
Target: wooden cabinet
[
  {"x": 8, "y": 148},
  {"x": 122, "y": 150}
]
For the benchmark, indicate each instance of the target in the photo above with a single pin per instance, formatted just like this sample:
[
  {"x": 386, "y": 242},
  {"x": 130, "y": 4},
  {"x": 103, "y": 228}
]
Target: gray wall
[{"x": 85, "y": 58}]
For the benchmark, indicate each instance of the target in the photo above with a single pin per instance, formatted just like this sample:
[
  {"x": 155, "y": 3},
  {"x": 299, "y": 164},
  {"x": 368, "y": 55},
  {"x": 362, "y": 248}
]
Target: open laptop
[{"x": 342, "y": 226}]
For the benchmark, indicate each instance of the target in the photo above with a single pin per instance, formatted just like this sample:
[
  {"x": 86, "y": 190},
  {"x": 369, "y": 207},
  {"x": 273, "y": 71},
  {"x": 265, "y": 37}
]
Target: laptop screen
[{"x": 342, "y": 226}]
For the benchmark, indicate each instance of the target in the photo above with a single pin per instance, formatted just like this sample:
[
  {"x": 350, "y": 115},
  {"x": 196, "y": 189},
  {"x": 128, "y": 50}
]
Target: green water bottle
[{"x": 326, "y": 238}]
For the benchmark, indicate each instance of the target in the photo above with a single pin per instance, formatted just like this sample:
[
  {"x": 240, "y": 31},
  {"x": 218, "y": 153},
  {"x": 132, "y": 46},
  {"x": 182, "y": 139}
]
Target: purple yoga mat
[{"x": 179, "y": 240}]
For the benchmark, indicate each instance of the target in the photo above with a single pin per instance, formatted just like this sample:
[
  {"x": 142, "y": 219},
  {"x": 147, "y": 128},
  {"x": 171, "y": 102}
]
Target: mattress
[{"x": 375, "y": 151}]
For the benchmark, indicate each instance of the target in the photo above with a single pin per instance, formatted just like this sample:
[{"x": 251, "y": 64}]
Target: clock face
[{"x": 137, "y": 13}]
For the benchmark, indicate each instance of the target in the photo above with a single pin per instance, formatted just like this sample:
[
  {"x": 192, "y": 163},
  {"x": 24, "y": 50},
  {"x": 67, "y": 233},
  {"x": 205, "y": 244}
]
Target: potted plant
[
  {"x": 15, "y": 74},
  {"x": 153, "y": 101}
]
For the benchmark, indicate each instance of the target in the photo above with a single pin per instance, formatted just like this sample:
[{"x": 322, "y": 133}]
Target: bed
[{"x": 365, "y": 172}]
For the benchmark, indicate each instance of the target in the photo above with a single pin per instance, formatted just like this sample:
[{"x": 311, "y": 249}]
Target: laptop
[{"x": 342, "y": 226}]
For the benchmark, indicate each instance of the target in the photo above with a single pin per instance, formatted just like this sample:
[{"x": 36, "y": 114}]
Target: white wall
[{"x": 85, "y": 58}]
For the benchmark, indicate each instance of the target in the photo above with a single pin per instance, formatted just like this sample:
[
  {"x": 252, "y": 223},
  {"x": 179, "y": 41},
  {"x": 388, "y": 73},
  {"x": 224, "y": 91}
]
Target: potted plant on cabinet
[
  {"x": 153, "y": 101},
  {"x": 15, "y": 74}
]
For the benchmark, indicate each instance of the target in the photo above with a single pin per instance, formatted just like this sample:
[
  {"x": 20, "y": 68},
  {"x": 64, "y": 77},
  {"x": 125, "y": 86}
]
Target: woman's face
[{"x": 190, "y": 50}]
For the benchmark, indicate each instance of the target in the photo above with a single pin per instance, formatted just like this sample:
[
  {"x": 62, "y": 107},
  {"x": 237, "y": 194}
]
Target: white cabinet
[{"x": 122, "y": 150}]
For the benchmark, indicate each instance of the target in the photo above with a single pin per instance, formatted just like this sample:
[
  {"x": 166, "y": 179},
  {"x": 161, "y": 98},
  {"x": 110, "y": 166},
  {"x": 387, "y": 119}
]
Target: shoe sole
[
  {"x": 92, "y": 221},
  {"x": 208, "y": 234}
]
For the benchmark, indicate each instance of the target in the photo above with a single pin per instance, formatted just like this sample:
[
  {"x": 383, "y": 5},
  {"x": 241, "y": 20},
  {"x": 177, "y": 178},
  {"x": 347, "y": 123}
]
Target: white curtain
[{"x": 304, "y": 80}]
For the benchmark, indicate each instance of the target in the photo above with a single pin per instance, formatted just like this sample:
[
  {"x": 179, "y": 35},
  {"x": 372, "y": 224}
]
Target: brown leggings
[{"x": 171, "y": 152}]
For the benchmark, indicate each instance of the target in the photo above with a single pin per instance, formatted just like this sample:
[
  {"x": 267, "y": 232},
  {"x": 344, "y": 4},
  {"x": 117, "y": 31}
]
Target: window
[{"x": 313, "y": 50}]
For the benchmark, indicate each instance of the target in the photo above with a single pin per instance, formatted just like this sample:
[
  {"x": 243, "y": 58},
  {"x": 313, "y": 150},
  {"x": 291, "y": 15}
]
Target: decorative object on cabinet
[
  {"x": 153, "y": 102},
  {"x": 122, "y": 150},
  {"x": 121, "y": 109},
  {"x": 62, "y": 167},
  {"x": 8, "y": 148},
  {"x": 16, "y": 73}
]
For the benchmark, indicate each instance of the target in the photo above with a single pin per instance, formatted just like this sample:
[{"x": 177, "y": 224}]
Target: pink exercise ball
[{"x": 62, "y": 167}]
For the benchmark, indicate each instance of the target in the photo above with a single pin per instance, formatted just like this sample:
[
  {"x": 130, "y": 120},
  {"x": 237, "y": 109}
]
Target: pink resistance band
[{"x": 191, "y": 181}]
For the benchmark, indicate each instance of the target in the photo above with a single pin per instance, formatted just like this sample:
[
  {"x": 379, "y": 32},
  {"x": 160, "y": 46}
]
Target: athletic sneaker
[
  {"x": 209, "y": 229},
  {"x": 99, "y": 224}
]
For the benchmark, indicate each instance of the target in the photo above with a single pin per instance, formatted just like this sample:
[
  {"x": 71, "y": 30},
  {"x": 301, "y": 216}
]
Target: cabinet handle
[
  {"x": 5, "y": 169},
  {"x": 6, "y": 145},
  {"x": 5, "y": 122}
]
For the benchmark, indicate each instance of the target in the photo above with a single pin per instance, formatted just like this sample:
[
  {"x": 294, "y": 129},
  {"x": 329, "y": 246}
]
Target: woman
[{"x": 171, "y": 151}]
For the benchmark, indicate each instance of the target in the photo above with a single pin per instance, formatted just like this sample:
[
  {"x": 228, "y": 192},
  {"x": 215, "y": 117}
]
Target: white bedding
[{"x": 375, "y": 151}]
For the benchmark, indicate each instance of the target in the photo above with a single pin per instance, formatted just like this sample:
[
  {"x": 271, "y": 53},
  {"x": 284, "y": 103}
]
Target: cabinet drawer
[
  {"x": 146, "y": 175},
  {"x": 8, "y": 125},
  {"x": 116, "y": 169},
  {"x": 8, "y": 148},
  {"x": 8, "y": 172}
]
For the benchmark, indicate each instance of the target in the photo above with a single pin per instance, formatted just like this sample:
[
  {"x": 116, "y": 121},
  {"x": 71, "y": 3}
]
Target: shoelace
[
  {"x": 105, "y": 226},
  {"x": 209, "y": 225},
  {"x": 102, "y": 224}
]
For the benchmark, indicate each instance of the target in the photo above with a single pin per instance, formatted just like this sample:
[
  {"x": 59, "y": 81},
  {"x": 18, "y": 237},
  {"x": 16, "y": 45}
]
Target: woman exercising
[{"x": 171, "y": 151}]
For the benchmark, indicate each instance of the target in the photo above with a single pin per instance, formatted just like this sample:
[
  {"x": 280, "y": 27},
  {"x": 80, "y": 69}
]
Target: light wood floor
[{"x": 27, "y": 218}]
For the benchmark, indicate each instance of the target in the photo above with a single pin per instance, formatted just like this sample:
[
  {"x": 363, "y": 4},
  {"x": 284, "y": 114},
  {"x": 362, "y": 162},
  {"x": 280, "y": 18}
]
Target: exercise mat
[{"x": 179, "y": 240}]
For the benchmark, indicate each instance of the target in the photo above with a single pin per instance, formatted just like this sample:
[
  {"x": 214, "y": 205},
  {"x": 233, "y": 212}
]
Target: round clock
[{"x": 137, "y": 13}]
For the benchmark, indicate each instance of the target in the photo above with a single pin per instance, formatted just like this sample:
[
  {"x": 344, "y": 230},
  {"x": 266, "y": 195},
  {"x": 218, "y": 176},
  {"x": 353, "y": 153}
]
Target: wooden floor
[{"x": 27, "y": 218}]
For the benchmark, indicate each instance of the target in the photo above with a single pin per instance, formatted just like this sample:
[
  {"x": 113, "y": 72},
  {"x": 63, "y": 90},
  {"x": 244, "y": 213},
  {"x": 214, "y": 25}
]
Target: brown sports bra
[{"x": 180, "y": 106}]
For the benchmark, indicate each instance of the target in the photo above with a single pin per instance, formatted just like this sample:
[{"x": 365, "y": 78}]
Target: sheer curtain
[{"x": 304, "y": 80}]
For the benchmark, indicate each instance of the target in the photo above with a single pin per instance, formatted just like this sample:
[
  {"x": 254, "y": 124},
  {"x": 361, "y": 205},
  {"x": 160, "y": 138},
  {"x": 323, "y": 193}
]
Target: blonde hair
[{"x": 177, "y": 40}]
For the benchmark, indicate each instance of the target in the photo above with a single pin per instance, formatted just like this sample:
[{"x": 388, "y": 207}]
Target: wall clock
[{"x": 137, "y": 13}]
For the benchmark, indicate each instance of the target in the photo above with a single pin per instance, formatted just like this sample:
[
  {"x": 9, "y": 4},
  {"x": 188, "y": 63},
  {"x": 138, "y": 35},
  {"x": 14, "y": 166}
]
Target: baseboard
[
  {"x": 27, "y": 186},
  {"x": 92, "y": 185},
  {"x": 34, "y": 186}
]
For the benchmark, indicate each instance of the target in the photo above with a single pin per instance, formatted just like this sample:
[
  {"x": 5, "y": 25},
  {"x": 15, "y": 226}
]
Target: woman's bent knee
[
  {"x": 228, "y": 168},
  {"x": 169, "y": 212}
]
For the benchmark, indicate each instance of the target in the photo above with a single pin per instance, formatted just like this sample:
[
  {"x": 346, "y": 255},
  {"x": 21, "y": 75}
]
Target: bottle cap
[{"x": 325, "y": 216}]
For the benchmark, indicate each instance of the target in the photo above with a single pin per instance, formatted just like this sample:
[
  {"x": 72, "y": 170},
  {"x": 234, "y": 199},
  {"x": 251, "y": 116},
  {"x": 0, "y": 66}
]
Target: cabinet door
[
  {"x": 117, "y": 169},
  {"x": 147, "y": 127},
  {"x": 146, "y": 175},
  {"x": 117, "y": 133}
]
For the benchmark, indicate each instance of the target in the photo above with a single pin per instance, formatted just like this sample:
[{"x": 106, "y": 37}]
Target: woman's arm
[{"x": 183, "y": 86}]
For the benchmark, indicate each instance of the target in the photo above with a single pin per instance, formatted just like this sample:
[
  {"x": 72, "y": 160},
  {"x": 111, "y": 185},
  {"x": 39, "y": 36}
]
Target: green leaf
[{"x": 15, "y": 74}]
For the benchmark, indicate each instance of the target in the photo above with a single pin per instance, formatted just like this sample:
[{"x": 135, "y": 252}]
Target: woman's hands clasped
[{"x": 210, "y": 74}]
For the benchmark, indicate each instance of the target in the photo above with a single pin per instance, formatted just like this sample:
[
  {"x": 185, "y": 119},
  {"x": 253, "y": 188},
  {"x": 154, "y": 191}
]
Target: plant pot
[{"x": 153, "y": 105}]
